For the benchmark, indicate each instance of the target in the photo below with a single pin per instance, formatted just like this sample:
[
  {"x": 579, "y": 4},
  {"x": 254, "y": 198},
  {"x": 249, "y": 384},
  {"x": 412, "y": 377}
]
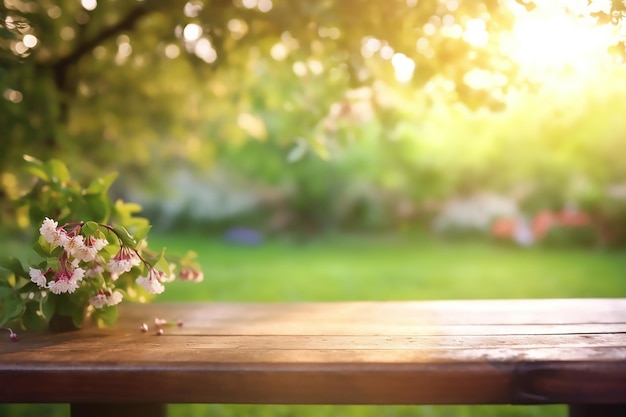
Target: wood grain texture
[{"x": 433, "y": 352}]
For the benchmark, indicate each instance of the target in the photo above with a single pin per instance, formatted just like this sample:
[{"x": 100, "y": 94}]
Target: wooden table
[{"x": 570, "y": 351}]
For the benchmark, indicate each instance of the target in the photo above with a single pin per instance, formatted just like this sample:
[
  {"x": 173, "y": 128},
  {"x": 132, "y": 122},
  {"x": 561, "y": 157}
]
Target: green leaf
[
  {"x": 142, "y": 231},
  {"x": 106, "y": 316},
  {"x": 11, "y": 308},
  {"x": 110, "y": 236},
  {"x": 36, "y": 214},
  {"x": 98, "y": 207},
  {"x": 15, "y": 308},
  {"x": 32, "y": 320},
  {"x": 78, "y": 315},
  {"x": 126, "y": 238},
  {"x": 45, "y": 249},
  {"x": 42, "y": 247},
  {"x": 48, "y": 305},
  {"x": 53, "y": 263},
  {"x": 5, "y": 292},
  {"x": 36, "y": 168},
  {"x": 4, "y": 319},
  {"x": 9, "y": 279},
  {"x": 127, "y": 209},
  {"x": 24, "y": 284},
  {"x": 14, "y": 265},
  {"x": 101, "y": 185},
  {"x": 57, "y": 171},
  {"x": 64, "y": 305},
  {"x": 161, "y": 264},
  {"x": 90, "y": 228}
]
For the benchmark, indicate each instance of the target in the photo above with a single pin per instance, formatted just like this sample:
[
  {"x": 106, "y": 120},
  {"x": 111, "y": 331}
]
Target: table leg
[
  {"x": 118, "y": 410},
  {"x": 604, "y": 410}
]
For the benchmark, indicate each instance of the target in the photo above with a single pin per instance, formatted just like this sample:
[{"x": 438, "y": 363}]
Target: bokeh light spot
[
  {"x": 30, "y": 41},
  {"x": 89, "y": 5},
  {"x": 403, "y": 67},
  {"x": 172, "y": 51},
  {"x": 13, "y": 96},
  {"x": 192, "y": 32}
]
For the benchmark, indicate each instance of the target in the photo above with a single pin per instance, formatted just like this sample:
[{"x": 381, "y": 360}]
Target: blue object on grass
[{"x": 243, "y": 236}]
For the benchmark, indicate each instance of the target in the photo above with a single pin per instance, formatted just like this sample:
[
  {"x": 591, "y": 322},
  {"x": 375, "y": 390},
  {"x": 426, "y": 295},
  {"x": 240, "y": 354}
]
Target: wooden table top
[{"x": 429, "y": 352}]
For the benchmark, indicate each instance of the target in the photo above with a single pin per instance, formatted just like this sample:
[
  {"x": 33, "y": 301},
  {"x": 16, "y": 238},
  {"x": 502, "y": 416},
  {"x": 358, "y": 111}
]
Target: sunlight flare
[{"x": 551, "y": 41}]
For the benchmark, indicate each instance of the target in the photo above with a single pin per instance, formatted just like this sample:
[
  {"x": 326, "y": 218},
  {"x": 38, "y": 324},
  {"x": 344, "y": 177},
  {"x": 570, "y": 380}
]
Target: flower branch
[{"x": 96, "y": 259}]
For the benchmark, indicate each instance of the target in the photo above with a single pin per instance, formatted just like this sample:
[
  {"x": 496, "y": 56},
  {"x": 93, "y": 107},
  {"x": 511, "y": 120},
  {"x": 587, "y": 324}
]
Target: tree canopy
[{"x": 143, "y": 85}]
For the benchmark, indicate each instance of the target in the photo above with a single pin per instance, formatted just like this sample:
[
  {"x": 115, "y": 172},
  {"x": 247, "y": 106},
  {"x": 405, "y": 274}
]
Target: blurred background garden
[{"x": 335, "y": 150}]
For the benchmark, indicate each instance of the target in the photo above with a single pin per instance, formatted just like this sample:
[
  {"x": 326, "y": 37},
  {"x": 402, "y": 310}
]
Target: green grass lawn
[
  {"x": 391, "y": 268},
  {"x": 402, "y": 267}
]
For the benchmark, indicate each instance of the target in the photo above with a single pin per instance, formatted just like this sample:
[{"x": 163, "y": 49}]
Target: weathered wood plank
[
  {"x": 410, "y": 313},
  {"x": 457, "y": 352},
  {"x": 181, "y": 349},
  {"x": 476, "y": 383}
]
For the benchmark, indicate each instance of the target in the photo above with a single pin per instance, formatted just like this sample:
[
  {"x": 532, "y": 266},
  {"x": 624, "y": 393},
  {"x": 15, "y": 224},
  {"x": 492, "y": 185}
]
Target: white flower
[
  {"x": 37, "y": 277},
  {"x": 53, "y": 235},
  {"x": 115, "y": 298},
  {"x": 190, "y": 274},
  {"x": 76, "y": 247},
  {"x": 123, "y": 261},
  {"x": 117, "y": 267},
  {"x": 94, "y": 271},
  {"x": 86, "y": 251},
  {"x": 78, "y": 275},
  {"x": 98, "y": 244},
  {"x": 107, "y": 298},
  {"x": 163, "y": 277},
  {"x": 151, "y": 283},
  {"x": 65, "y": 283},
  {"x": 99, "y": 300},
  {"x": 62, "y": 286},
  {"x": 48, "y": 229}
]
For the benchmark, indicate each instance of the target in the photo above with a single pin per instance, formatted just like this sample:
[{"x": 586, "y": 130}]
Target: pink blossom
[
  {"x": 76, "y": 247},
  {"x": 52, "y": 234},
  {"x": 12, "y": 334},
  {"x": 114, "y": 298},
  {"x": 37, "y": 277},
  {"x": 66, "y": 280},
  {"x": 78, "y": 275},
  {"x": 62, "y": 286},
  {"x": 94, "y": 271},
  {"x": 99, "y": 300},
  {"x": 48, "y": 229},
  {"x": 97, "y": 243},
  {"x": 151, "y": 283},
  {"x": 190, "y": 274},
  {"x": 165, "y": 277},
  {"x": 161, "y": 276},
  {"x": 123, "y": 261},
  {"x": 86, "y": 250},
  {"x": 106, "y": 298}
]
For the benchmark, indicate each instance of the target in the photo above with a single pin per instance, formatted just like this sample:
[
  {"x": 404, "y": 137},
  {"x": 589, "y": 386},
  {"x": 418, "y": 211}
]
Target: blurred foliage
[
  {"x": 368, "y": 114},
  {"x": 111, "y": 77}
]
